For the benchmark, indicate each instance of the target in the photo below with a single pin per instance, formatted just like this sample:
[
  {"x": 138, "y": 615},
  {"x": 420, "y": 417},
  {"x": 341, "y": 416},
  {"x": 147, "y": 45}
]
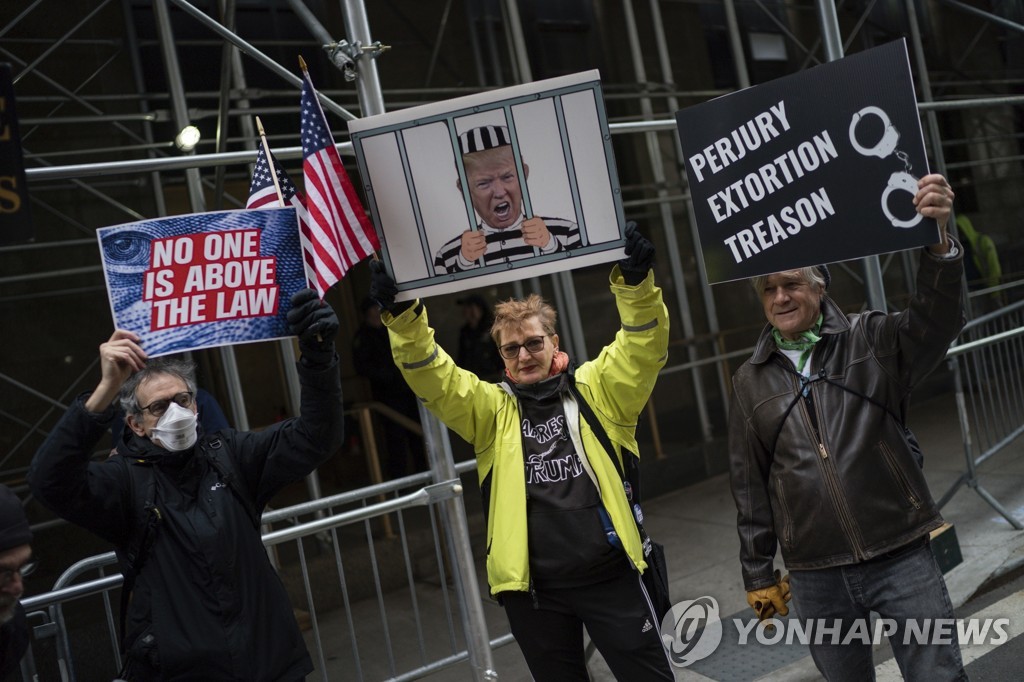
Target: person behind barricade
[
  {"x": 982, "y": 268},
  {"x": 981, "y": 258},
  {"x": 504, "y": 233},
  {"x": 16, "y": 562},
  {"x": 823, "y": 465},
  {"x": 371, "y": 355},
  {"x": 476, "y": 348},
  {"x": 563, "y": 548},
  {"x": 182, "y": 508}
]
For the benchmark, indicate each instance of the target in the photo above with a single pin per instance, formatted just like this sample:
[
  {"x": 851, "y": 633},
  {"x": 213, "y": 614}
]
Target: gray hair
[
  {"x": 176, "y": 367},
  {"x": 810, "y": 274}
]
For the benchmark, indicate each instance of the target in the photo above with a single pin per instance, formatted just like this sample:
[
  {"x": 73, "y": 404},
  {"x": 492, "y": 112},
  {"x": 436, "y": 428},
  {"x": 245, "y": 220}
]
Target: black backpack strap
[
  {"x": 224, "y": 466},
  {"x": 144, "y": 532},
  {"x": 822, "y": 376},
  {"x": 633, "y": 496},
  {"x": 595, "y": 424}
]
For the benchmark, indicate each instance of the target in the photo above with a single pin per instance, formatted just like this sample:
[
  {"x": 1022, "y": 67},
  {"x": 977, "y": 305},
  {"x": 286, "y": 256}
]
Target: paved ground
[{"x": 697, "y": 526}]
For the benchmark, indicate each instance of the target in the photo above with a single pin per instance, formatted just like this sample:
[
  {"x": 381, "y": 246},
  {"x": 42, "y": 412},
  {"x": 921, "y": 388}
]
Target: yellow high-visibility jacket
[{"x": 616, "y": 384}]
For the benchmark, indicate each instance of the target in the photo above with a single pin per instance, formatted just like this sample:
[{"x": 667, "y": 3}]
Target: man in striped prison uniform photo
[{"x": 503, "y": 233}]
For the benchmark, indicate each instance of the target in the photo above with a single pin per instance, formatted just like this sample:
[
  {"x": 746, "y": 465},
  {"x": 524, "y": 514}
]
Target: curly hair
[
  {"x": 514, "y": 311},
  {"x": 177, "y": 367}
]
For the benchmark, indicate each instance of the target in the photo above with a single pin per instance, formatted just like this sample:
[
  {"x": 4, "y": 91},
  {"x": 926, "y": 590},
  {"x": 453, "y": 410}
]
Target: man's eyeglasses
[
  {"x": 158, "y": 407},
  {"x": 532, "y": 345},
  {"x": 25, "y": 570}
]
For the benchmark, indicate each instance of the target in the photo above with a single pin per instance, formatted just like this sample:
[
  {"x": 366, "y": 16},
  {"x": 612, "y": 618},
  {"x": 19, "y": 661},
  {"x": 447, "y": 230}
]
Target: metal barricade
[
  {"x": 988, "y": 368},
  {"x": 372, "y": 606}
]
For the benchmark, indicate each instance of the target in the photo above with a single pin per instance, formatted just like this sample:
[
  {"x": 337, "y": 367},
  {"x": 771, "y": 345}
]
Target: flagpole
[
  {"x": 270, "y": 162},
  {"x": 273, "y": 175},
  {"x": 305, "y": 74},
  {"x": 287, "y": 347}
]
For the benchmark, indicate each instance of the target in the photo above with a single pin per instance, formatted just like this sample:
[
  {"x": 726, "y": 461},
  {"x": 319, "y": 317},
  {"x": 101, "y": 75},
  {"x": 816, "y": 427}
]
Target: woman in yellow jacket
[{"x": 563, "y": 550}]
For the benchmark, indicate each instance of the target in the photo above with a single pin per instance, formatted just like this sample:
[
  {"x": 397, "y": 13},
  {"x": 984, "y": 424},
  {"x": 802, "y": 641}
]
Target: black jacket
[
  {"x": 206, "y": 591},
  {"x": 14, "y": 641},
  {"x": 839, "y": 480}
]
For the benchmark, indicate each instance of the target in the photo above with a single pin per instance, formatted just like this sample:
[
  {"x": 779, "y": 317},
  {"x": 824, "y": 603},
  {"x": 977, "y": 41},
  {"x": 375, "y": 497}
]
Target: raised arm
[
  {"x": 289, "y": 450},
  {"x": 62, "y": 475},
  {"x": 625, "y": 371}
]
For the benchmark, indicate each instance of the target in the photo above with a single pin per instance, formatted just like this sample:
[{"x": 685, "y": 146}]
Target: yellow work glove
[{"x": 768, "y": 601}]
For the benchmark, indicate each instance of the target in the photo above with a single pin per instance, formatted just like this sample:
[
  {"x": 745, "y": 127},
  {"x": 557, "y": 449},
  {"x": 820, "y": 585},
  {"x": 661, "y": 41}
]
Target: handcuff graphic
[{"x": 899, "y": 180}]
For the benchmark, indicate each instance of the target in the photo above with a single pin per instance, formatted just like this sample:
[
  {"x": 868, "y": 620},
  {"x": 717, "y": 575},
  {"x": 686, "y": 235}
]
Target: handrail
[
  {"x": 987, "y": 341},
  {"x": 85, "y": 589},
  {"x": 389, "y": 412},
  {"x": 988, "y": 317},
  {"x": 422, "y": 497},
  {"x": 989, "y": 400}
]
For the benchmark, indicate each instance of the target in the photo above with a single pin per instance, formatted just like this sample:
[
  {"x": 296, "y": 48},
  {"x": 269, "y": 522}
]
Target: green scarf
[{"x": 805, "y": 343}]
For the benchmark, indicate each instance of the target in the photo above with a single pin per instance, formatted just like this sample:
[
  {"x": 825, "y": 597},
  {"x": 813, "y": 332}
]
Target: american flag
[
  {"x": 262, "y": 193},
  {"x": 340, "y": 232}
]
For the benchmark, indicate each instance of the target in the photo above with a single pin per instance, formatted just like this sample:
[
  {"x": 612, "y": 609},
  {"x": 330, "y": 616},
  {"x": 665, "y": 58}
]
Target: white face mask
[{"x": 176, "y": 430}]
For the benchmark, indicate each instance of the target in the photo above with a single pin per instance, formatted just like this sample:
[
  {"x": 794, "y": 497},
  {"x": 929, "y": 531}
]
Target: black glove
[
  {"x": 316, "y": 325},
  {"x": 383, "y": 290},
  {"x": 639, "y": 256}
]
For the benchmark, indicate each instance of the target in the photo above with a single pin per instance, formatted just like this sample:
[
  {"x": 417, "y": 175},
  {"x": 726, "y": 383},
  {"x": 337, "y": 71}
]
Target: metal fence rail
[
  {"x": 372, "y": 605},
  {"x": 988, "y": 368}
]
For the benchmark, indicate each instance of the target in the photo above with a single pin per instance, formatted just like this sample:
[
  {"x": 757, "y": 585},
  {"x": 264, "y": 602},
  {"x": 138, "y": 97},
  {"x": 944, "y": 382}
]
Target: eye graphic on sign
[{"x": 127, "y": 251}]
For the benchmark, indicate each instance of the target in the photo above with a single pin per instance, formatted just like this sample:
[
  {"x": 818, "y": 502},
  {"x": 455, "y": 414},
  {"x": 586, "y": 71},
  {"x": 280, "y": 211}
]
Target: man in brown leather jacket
[{"x": 822, "y": 463}]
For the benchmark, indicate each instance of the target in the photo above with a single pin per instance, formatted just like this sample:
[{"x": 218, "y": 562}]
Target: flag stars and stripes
[
  {"x": 340, "y": 231},
  {"x": 333, "y": 227}
]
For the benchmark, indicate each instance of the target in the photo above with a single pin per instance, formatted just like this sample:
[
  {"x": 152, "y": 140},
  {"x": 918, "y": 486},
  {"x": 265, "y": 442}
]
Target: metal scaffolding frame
[{"x": 235, "y": 101}]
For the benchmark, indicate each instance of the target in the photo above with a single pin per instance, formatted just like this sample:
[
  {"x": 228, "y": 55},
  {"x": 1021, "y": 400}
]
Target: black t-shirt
[{"x": 567, "y": 541}]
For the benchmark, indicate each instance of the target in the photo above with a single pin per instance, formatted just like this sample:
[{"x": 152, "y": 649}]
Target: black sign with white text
[
  {"x": 816, "y": 167},
  {"x": 15, "y": 221}
]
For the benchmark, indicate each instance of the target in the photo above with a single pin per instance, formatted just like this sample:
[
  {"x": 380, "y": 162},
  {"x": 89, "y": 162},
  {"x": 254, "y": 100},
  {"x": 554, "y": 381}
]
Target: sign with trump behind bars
[
  {"x": 815, "y": 167},
  {"x": 492, "y": 187}
]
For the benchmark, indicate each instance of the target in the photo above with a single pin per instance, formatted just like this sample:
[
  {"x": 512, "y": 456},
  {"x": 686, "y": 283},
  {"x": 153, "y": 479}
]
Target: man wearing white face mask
[{"x": 182, "y": 508}]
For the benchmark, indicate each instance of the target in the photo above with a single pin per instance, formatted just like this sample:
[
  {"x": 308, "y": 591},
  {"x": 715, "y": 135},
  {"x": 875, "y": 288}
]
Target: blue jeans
[{"x": 905, "y": 585}]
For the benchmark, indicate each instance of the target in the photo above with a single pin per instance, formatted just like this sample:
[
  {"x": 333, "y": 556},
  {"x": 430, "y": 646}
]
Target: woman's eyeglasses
[
  {"x": 532, "y": 345},
  {"x": 158, "y": 407}
]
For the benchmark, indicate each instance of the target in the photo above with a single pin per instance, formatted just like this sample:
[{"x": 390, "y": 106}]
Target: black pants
[{"x": 616, "y": 615}]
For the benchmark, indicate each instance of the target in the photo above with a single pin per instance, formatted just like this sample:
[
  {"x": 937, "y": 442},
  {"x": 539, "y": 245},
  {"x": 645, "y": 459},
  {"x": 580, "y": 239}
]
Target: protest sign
[
  {"x": 442, "y": 185},
  {"x": 206, "y": 279},
  {"x": 816, "y": 167}
]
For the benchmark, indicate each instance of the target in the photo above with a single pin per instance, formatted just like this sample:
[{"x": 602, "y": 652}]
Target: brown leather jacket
[{"x": 839, "y": 479}]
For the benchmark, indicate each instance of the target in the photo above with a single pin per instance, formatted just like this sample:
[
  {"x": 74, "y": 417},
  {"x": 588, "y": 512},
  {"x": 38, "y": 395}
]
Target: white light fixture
[{"x": 187, "y": 139}]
